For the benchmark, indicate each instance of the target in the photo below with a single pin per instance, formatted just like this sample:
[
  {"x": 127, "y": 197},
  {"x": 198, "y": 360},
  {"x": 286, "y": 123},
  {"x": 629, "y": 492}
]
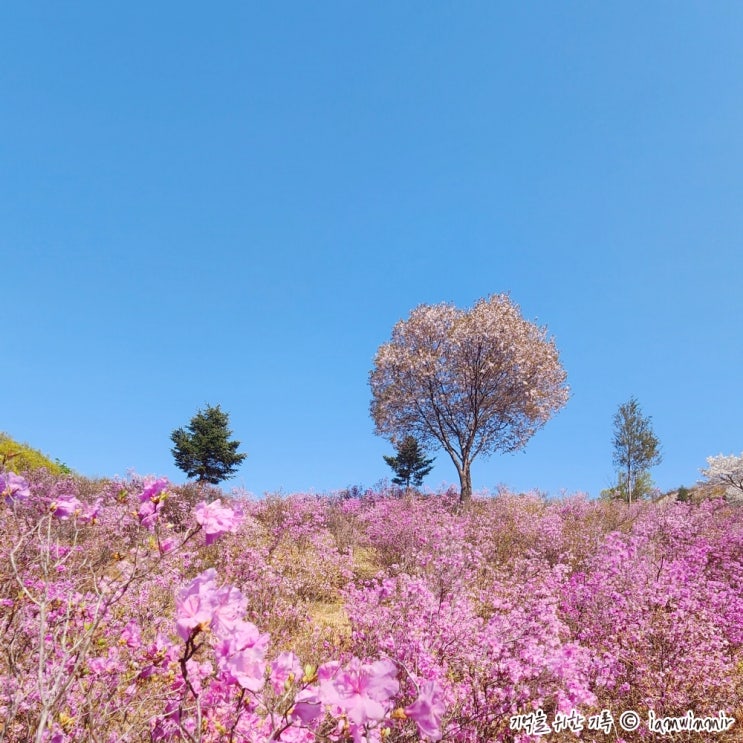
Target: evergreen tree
[
  {"x": 410, "y": 466},
  {"x": 204, "y": 450},
  {"x": 683, "y": 495},
  {"x": 636, "y": 448}
]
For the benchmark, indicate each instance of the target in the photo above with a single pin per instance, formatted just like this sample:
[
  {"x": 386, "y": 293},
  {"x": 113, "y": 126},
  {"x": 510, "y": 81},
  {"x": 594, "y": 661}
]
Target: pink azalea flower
[
  {"x": 13, "y": 487},
  {"x": 131, "y": 636},
  {"x": 153, "y": 489},
  {"x": 65, "y": 506},
  {"x": 307, "y": 707},
  {"x": 297, "y": 735},
  {"x": 285, "y": 667},
  {"x": 168, "y": 545},
  {"x": 428, "y": 710},
  {"x": 241, "y": 653},
  {"x": 91, "y": 511},
  {"x": 195, "y": 604},
  {"x": 216, "y": 519},
  {"x": 197, "y": 673},
  {"x": 247, "y": 667},
  {"x": 362, "y": 690},
  {"x": 162, "y": 652},
  {"x": 151, "y": 501},
  {"x": 148, "y": 513},
  {"x": 230, "y": 606}
]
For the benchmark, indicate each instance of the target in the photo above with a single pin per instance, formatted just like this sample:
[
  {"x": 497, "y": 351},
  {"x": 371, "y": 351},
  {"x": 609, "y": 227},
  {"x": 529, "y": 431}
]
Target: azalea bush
[
  {"x": 137, "y": 610},
  {"x": 109, "y": 636}
]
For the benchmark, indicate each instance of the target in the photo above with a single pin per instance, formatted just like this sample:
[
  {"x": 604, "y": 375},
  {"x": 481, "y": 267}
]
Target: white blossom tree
[
  {"x": 726, "y": 471},
  {"x": 472, "y": 381}
]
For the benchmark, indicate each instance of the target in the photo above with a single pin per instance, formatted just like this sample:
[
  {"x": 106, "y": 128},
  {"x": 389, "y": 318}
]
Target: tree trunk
[{"x": 465, "y": 484}]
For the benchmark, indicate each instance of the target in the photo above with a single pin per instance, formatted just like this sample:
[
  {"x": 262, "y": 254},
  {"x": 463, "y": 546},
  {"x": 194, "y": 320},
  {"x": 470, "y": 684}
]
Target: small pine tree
[
  {"x": 683, "y": 495},
  {"x": 410, "y": 466},
  {"x": 204, "y": 450}
]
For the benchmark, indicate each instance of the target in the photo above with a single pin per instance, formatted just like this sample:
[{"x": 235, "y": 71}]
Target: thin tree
[
  {"x": 472, "y": 381},
  {"x": 636, "y": 447},
  {"x": 204, "y": 450},
  {"x": 409, "y": 466}
]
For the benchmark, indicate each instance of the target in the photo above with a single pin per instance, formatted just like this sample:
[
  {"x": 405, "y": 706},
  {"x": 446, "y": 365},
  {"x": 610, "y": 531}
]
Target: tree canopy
[
  {"x": 204, "y": 450},
  {"x": 472, "y": 381},
  {"x": 728, "y": 471}
]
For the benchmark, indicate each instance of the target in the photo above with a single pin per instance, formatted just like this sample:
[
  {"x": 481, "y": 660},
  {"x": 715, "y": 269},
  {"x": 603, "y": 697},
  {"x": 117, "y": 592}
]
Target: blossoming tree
[
  {"x": 727, "y": 471},
  {"x": 472, "y": 381}
]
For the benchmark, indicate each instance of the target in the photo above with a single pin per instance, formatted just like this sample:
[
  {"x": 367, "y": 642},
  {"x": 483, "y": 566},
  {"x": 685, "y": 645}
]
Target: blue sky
[{"x": 233, "y": 205}]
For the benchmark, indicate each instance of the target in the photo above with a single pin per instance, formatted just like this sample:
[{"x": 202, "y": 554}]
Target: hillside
[
  {"x": 19, "y": 457},
  {"x": 157, "y": 609}
]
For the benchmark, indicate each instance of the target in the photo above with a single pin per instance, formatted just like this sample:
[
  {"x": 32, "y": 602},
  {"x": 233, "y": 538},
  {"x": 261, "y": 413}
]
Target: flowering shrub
[
  {"x": 132, "y": 613},
  {"x": 105, "y": 641}
]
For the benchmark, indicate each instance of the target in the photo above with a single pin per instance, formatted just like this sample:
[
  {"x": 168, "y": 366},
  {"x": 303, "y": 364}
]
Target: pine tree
[
  {"x": 203, "y": 448},
  {"x": 410, "y": 466},
  {"x": 636, "y": 447}
]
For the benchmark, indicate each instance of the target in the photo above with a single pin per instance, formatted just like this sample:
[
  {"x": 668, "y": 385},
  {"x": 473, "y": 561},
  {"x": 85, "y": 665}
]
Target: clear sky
[{"x": 233, "y": 203}]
